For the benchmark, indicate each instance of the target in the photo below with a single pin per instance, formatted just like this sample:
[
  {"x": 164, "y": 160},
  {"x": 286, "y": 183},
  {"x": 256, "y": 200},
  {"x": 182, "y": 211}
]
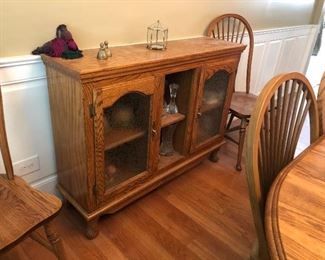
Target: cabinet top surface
[{"x": 137, "y": 56}]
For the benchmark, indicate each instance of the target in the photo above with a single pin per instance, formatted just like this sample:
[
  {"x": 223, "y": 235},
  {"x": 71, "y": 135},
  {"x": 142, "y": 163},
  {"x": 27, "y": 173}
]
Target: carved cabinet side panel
[
  {"x": 66, "y": 102},
  {"x": 88, "y": 104}
]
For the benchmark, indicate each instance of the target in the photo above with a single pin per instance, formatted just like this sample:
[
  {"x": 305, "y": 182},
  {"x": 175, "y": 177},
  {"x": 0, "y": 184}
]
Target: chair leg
[
  {"x": 55, "y": 241},
  {"x": 242, "y": 132},
  {"x": 230, "y": 121}
]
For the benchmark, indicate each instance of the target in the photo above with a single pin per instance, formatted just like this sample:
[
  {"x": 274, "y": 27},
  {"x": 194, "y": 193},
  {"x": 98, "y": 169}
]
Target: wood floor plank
[
  {"x": 186, "y": 229},
  {"x": 15, "y": 253},
  {"x": 208, "y": 224},
  {"x": 35, "y": 251},
  {"x": 202, "y": 214},
  {"x": 217, "y": 201},
  {"x": 166, "y": 238},
  {"x": 124, "y": 231}
]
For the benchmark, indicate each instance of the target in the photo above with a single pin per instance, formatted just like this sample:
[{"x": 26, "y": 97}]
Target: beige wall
[
  {"x": 26, "y": 24},
  {"x": 318, "y": 11}
]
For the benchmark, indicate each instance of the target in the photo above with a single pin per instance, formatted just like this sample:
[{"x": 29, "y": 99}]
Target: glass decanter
[{"x": 172, "y": 107}]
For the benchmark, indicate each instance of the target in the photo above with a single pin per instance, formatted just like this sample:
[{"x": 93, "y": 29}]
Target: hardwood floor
[{"x": 203, "y": 214}]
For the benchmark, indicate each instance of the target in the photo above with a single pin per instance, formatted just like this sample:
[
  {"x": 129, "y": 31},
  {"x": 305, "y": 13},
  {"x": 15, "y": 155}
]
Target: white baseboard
[{"x": 47, "y": 184}]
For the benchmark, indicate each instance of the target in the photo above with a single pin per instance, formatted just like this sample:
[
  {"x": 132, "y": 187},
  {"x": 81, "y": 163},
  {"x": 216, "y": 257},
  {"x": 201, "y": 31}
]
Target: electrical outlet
[{"x": 27, "y": 165}]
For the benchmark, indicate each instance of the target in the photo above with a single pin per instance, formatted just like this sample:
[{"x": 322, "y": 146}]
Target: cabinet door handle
[
  {"x": 154, "y": 132},
  {"x": 199, "y": 114}
]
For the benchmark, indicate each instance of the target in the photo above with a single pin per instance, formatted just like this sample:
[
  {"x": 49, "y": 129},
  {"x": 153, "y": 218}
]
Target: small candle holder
[
  {"x": 157, "y": 36},
  {"x": 104, "y": 52}
]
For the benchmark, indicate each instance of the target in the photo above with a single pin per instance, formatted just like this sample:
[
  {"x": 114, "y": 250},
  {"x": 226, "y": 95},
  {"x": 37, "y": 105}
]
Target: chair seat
[
  {"x": 23, "y": 209},
  {"x": 242, "y": 104}
]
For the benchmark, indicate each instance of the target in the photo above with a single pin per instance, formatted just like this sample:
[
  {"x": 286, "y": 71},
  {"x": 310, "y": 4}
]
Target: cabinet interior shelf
[
  {"x": 169, "y": 119},
  {"x": 122, "y": 174},
  {"x": 207, "y": 107},
  {"x": 165, "y": 161},
  {"x": 117, "y": 137}
]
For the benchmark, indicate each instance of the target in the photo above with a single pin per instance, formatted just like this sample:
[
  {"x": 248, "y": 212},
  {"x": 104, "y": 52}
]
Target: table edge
[{"x": 271, "y": 210}]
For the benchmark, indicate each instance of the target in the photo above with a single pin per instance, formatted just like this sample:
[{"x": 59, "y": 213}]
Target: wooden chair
[
  {"x": 272, "y": 137},
  {"x": 321, "y": 105},
  {"x": 22, "y": 208},
  {"x": 232, "y": 27}
]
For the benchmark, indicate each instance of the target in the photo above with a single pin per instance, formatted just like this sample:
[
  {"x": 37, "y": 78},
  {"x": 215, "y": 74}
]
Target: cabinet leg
[
  {"x": 214, "y": 155},
  {"x": 92, "y": 228}
]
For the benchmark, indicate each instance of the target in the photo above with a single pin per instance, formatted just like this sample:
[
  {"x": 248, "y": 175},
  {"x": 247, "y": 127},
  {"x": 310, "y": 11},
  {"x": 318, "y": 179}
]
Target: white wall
[
  {"x": 277, "y": 51},
  {"x": 26, "y": 98},
  {"x": 27, "y": 115}
]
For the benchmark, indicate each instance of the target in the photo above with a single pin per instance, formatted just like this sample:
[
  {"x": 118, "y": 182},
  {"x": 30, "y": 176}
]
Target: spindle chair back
[
  {"x": 272, "y": 137},
  {"x": 321, "y": 105},
  {"x": 233, "y": 27}
]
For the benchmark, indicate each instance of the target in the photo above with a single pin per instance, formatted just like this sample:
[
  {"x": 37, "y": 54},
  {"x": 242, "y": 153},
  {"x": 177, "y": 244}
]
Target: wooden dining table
[{"x": 295, "y": 208}]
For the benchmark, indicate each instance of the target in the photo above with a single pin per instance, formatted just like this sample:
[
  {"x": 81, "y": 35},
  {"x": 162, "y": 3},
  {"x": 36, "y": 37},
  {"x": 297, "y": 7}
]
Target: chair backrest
[
  {"x": 232, "y": 27},
  {"x": 272, "y": 137},
  {"x": 4, "y": 143},
  {"x": 321, "y": 105}
]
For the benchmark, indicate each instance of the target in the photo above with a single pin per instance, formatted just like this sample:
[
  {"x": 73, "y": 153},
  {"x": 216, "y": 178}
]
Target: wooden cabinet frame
[{"x": 79, "y": 90}]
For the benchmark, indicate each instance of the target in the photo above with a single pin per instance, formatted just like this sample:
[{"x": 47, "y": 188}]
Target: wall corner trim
[{"x": 19, "y": 60}]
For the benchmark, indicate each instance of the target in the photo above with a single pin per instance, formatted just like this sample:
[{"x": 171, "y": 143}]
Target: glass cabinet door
[
  {"x": 126, "y": 127},
  {"x": 211, "y": 108},
  {"x": 123, "y": 126}
]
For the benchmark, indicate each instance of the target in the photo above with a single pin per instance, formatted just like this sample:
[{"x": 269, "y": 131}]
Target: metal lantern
[{"x": 157, "y": 37}]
